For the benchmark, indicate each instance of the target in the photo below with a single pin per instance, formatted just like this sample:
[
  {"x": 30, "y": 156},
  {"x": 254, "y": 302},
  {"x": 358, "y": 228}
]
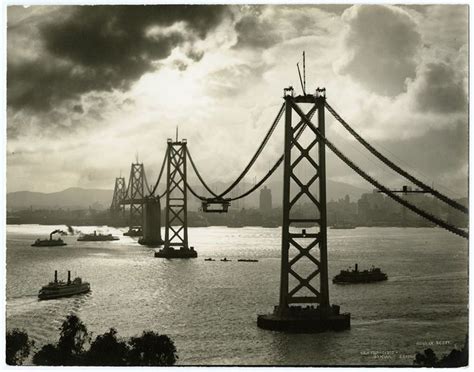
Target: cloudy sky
[{"x": 89, "y": 87}]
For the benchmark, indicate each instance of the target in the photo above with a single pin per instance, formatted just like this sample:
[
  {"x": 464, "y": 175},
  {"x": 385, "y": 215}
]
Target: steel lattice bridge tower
[
  {"x": 304, "y": 254},
  {"x": 135, "y": 197},
  {"x": 116, "y": 208},
  {"x": 176, "y": 215}
]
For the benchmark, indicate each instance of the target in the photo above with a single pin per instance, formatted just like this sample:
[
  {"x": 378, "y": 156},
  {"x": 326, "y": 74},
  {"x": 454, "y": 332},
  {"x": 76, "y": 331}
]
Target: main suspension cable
[
  {"x": 146, "y": 182},
  {"x": 249, "y": 165},
  {"x": 375, "y": 183},
  {"x": 161, "y": 173},
  {"x": 300, "y": 127},
  {"x": 198, "y": 174},
  {"x": 395, "y": 167},
  {"x": 257, "y": 153}
]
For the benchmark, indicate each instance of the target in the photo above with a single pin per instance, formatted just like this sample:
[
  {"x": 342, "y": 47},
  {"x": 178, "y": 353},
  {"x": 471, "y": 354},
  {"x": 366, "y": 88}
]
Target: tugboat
[
  {"x": 57, "y": 289},
  {"x": 96, "y": 237},
  {"x": 49, "y": 242},
  {"x": 209, "y": 259},
  {"x": 134, "y": 231},
  {"x": 356, "y": 276}
]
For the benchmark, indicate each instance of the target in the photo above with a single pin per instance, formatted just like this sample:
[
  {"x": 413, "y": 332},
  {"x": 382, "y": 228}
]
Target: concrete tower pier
[{"x": 151, "y": 223}]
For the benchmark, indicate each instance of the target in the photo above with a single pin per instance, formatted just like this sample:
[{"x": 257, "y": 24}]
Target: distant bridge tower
[
  {"x": 136, "y": 194},
  {"x": 116, "y": 208},
  {"x": 176, "y": 214},
  {"x": 301, "y": 262}
]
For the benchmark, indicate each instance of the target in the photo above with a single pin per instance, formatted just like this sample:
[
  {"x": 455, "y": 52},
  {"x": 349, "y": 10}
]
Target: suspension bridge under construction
[{"x": 304, "y": 302}]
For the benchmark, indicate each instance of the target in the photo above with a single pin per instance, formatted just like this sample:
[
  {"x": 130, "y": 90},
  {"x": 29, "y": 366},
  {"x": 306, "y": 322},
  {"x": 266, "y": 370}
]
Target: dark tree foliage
[
  {"x": 426, "y": 359},
  {"x": 456, "y": 358},
  {"x": 70, "y": 348},
  {"x": 73, "y": 336},
  {"x": 17, "y": 347},
  {"x": 152, "y": 349},
  {"x": 48, "y": 355},
  {"x": 107, "y": 350}
]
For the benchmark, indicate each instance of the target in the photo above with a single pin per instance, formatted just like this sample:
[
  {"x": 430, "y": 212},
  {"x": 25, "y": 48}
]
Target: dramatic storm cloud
[
  {"x": 118, "y": 80},
  {"x": 104, "y": 48}
]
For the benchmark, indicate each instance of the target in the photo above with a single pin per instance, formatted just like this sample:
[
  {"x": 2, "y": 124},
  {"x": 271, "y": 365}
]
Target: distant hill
[
  {"x": 79, "y": 198},
  {"x": 72, "y": 198}
]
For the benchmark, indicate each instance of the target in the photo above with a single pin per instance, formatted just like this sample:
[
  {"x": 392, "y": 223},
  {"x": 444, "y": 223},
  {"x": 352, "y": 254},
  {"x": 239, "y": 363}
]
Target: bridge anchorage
[
  {"x": 176, "y": 228},
  {"x": 300, "y": 263}
]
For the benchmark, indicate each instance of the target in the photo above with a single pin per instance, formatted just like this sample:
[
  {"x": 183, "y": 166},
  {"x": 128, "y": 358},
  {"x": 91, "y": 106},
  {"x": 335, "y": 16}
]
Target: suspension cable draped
[
  {"x": 300, "y": 128},
  {"x": 257, "y": 153},
  {"x": 146, "y": 182},
  {"x": 395, "y": 167},
  {"x": 249, "y": 165},
  {"x": 161, "y": 173},
  {"x": 379, "y": 186},
  {"x": 198, "y": 174}
]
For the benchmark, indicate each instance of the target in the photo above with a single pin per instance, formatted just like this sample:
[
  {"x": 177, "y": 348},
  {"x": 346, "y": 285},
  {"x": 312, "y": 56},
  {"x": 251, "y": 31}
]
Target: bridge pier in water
[
  {"x": 298, "y": 293},
  {"x": 151, "y": 223},
  {"x": 176, "y": 228}
]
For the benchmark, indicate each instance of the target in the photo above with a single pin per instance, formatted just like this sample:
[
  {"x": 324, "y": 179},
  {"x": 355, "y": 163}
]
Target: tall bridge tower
[
  {"x": 136, "y": 194},
  {"x": 304, "y": 252},
  {"x": 119, "y": 195},
  {"x": 176, "y": 214}
]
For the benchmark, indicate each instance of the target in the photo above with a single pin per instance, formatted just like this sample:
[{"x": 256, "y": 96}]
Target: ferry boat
[
  {"x": 356, "y": 276},
  {"x": 57, "y": 289},
  {"x": 49, "y": 242},
  {"x": 96, "y": 237}
]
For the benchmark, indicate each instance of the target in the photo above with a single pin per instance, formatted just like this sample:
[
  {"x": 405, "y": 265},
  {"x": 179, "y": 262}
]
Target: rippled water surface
[{"x": 209, "y": 308}]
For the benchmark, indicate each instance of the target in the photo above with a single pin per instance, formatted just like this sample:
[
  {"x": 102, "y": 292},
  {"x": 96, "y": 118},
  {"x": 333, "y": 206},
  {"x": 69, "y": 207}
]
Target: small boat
[
  {"x": 209, "y": 259},
  {"x": 225, "y": 259},
  {"x": 57, "y": 289},
  {"x": 134, "y": 231},
  {"x": 356, "y": 276},
  {"x": 49, "y": 242},
  {"x": 96, "y": 237},
  {"x": 246, "y": 260}
]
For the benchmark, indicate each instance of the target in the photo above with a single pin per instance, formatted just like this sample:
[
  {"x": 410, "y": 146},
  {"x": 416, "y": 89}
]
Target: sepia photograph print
[{"x": 236, "y": 185}]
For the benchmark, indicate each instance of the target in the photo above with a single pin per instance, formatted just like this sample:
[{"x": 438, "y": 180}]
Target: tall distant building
[{"x": 265, "y": 200}]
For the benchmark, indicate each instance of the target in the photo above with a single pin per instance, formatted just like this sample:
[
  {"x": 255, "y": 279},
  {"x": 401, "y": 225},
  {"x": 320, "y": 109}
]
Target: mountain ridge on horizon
[{"x": 83, "y": 198}]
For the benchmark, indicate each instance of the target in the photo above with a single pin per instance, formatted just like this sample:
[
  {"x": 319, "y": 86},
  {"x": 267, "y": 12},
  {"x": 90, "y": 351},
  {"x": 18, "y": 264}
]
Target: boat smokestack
[
  {"x": 68, "y": 277},
  {"x": 55, "y": 276},
  {"x": 357, "y": 267}
]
